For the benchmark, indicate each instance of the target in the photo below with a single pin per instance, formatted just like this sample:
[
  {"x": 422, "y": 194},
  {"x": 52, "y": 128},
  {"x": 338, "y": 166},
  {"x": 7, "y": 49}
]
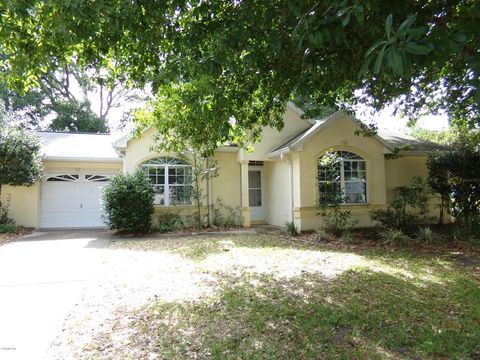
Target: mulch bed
[{"x": 7, "y": 237}]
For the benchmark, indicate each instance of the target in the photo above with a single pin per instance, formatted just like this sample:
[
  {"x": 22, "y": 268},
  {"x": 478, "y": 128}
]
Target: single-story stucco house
[{"x": 279, "y": 182}]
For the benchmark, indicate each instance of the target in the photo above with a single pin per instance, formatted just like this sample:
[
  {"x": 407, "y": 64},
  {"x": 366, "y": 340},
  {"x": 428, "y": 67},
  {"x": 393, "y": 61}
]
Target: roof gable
[
  {"x": 300, "y": 139},
  {"x": 391, "y": 140}
]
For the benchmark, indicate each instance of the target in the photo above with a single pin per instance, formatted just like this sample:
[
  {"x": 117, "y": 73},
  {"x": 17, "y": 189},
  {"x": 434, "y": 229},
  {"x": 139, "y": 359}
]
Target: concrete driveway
[{"x": 41, "y": 278}]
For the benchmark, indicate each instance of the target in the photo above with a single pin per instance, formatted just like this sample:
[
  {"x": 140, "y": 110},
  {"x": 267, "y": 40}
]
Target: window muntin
[
  {"x": 97, "y": 178},
  {"x": 64, "y": 177},
  {"x": 171, "y": 179},
  {"x": 342, "y": 177}
]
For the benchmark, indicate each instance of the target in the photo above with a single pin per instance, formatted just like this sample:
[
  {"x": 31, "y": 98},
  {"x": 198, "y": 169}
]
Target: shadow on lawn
[{"x": 358, "y": 314}]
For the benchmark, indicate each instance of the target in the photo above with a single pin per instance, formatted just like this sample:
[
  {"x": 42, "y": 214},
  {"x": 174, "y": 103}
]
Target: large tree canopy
[{"x": 227, "y": 67}]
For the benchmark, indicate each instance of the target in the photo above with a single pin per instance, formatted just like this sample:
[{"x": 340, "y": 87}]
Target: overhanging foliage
[{"x": 228, "y": 67}]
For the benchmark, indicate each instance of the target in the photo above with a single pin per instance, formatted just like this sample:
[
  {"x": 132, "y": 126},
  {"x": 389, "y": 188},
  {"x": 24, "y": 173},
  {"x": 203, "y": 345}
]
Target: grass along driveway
[{"x": 265, "y": 297}]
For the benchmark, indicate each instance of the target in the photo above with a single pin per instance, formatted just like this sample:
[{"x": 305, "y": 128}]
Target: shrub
[
  {"x": 409, "y": 209},
  {"x": 291, "y": 228},
  {"x": 347, "y": 237},
  {"x": 394, "y": 237},
  {"x": 4, "y": 219},
  {"x": 225, "y": 215},
  {"x": 337, "y": 222},
  {"x": 425, "y": 235},
  {"x": 128, "y": 203},
  {"x": 169, "y": 222},
  {"x": 321, "y": 234},
  {"x": 8, "y": 228}
]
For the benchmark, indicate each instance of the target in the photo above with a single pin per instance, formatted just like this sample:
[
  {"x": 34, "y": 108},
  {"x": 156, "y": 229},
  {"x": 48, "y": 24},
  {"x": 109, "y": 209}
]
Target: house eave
[
  {"x": 279, "y": 152},
  {"x": 413, "y": 153},
  {"x": 82, "y": 159}
]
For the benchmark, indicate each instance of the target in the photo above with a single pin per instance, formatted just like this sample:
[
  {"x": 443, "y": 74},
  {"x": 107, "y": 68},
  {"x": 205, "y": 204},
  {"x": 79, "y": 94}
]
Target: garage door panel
[{"x": 71, "y": 204}]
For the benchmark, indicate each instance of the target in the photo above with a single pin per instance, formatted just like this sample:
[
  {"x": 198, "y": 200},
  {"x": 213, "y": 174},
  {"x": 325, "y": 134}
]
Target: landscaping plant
[
  {"x": 394, "y": 237},
  {"x": 409, "y": 209},
  {"x": 168, "y": 221},
  {"x": 291, "y": 228},
  {"x": 225, "y": 215},
  {"x": 128, "y": 203}
]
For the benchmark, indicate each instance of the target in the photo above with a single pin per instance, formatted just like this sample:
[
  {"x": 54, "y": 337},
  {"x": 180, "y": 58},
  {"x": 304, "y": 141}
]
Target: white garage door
[{"x": 72, "y": 200}]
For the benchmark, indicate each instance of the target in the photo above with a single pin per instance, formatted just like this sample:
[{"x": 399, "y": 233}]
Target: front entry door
[{"x": 255, "y": 194}]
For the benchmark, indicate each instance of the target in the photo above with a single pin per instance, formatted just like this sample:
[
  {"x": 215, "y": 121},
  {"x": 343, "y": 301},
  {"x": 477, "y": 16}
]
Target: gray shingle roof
[
  {"x": 71, "y": 146},
  {"x": 397, "y": 139}
]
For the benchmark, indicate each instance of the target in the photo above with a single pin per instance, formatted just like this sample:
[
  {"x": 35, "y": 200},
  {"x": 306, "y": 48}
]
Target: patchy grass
[{"x": 277, "y": 298}]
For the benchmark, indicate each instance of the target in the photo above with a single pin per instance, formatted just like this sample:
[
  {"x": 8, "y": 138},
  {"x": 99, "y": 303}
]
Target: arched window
[
  {"x": 172, "y": 180},
  {"x": 342, "y": 178}
]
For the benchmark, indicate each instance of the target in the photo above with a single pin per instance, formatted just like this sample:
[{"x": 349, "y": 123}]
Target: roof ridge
[{"x": 71, "y": 133}]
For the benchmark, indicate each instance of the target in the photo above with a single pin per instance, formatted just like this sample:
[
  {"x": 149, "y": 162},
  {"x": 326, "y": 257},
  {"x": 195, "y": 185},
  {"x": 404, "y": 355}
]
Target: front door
[{"x": 255, "y": 194}]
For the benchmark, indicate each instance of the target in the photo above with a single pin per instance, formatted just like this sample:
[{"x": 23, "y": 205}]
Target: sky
[{"x": 387, "y": 120}]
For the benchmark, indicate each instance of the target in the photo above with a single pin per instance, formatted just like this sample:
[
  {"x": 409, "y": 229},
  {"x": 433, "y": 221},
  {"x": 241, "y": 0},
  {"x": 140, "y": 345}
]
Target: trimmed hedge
[{"x": 128, "y": 203}]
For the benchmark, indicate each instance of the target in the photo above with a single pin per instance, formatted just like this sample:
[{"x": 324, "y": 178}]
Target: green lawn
[{"x": 277, "y": 298}]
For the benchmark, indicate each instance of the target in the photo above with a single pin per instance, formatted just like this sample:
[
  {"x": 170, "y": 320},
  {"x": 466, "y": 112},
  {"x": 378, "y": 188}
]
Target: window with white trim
[
  {"x": 342, "y": 178},
  {"x": 171, "y": 179}
]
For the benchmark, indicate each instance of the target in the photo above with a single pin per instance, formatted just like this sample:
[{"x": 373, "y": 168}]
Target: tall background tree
[
  {"x": 61, "y": 101},
  {"x": 454, "y": 174},
  {"x": 232, "y": 65}
]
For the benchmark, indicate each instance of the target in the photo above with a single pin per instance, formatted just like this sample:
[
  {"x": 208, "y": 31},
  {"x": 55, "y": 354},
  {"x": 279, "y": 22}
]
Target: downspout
[{"x": 290, "y": 177}]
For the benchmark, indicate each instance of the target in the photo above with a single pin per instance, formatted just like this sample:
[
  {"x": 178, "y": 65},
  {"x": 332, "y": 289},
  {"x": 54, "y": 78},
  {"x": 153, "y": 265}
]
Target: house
[{"x": 279, "y": 182}]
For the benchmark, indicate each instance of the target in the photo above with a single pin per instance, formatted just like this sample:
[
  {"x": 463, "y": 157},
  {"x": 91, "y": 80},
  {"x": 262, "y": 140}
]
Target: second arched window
[{"x": 342, "y": 178}]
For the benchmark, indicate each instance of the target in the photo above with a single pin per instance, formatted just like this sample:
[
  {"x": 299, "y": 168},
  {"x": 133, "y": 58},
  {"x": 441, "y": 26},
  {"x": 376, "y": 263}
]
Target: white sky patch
[{"x": 387, "y": 120}]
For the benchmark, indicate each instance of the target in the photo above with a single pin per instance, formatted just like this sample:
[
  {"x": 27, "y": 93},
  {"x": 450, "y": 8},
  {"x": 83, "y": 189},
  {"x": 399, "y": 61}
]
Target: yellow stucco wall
[
  {"x": 400, "y": 171},
  {"x": 277, "y": 193},
  {"x": 23, "y": 203},
  {"x": 226, "y": 186},
  {"x": 271, "y": 138},
  {"x": 139, "y": 150},
  {"x": 108, "y": 168}
]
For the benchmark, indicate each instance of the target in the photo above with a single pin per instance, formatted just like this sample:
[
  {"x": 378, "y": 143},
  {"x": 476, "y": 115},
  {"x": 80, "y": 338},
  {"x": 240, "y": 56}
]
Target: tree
[
  {"x": 20, "y": 157},
  {"x": 454, "y": 174},
  {"x": 230, "y": 66},
  {"x": 73, "y": 116},
  {"x": 64, "y": 94}
]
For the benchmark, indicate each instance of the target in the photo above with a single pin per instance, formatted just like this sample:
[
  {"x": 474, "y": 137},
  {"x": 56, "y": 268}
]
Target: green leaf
[
  {"x": 417, "y": 49},
  {"x": 396, "y": 61},
  {"x": 379, "y": 60},
  {"x": 346, "y": 19},
  {"x": 459, "y": 37},
  {"x": 374, "y": 47},
  {"x": 388, "y": 25}
]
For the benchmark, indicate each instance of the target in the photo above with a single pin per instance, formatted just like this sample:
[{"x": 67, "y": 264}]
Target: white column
[{"x": 245, "y": 198}]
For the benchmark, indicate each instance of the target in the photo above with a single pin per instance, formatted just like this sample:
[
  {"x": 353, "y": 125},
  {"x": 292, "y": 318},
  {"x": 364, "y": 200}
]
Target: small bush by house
[
  {"x": 128, "y": 203},
  {"x": 408, "y": 211}
]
